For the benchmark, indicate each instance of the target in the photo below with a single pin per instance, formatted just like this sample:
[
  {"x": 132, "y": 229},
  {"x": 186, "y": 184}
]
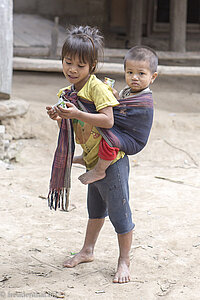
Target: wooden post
[
  {"x": 6, "y": 47},
  {"x": 54, "y": 39},
  {"x": 178, "y": 22},
  {"x": 135, "y": 22}
]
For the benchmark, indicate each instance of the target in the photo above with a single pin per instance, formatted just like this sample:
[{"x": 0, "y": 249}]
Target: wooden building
[
  {"x": 174, "y": 21},
  {"x": 169, "y": 25},
  {"x": 164, "y": 24}
]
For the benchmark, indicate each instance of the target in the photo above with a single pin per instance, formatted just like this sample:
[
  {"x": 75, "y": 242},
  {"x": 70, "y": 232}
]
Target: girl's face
[
  {"x": 138, "y": 75},
  {"x": 75, "y": 71}
]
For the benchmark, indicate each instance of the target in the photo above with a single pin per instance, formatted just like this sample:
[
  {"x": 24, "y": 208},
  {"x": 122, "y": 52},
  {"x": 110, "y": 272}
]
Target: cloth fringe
[
  {"x": 59, "y": 199},
  {"x": 60, "y": 181}
]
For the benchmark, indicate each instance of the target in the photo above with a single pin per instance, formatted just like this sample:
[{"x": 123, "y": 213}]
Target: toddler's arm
[{"x": 115, "y": 93}]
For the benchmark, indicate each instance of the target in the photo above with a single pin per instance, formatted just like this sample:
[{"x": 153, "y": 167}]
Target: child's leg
[
  {"x": 97, "y": 211},
  {"x": 114, "y": 189},
  {"x": 123, "y": 273},
  {"x": 79, "y": 160},
  {"x": 97, "y": 173},
  {"x": 86, "y": 254},
  {"x": 106, "y": 155}
]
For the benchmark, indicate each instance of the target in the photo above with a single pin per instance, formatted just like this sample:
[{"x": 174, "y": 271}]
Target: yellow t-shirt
[{"x": 87, "y": 135}]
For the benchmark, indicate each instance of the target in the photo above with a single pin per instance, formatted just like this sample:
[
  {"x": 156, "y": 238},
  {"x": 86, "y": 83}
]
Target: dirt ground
[{"x": 164, "y": 197}]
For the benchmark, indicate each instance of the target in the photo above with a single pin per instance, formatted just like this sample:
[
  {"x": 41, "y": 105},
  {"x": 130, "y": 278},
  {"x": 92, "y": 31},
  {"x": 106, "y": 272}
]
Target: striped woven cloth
[{"x": 133, "y": 119}]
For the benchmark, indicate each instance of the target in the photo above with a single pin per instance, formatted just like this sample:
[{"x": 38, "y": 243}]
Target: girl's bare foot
[
  {"x": 123, "y": 273},
  {"x": 91, "y": 176},
  {"x": 81, "y": 257}
]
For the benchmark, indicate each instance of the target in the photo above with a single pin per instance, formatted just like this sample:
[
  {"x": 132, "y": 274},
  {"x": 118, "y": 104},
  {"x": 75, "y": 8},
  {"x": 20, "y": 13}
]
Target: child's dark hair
[
  {"x": 143, "y": 53},
  {"x": 84, "y": 41}
]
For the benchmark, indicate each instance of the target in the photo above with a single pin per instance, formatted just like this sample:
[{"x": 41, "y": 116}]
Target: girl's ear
[
  {"x": 155, "y": 74},
  {"x": 94, "y": 66}
]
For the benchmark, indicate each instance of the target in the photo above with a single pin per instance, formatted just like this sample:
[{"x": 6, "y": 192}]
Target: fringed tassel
[{"x": 59, "y": 199}]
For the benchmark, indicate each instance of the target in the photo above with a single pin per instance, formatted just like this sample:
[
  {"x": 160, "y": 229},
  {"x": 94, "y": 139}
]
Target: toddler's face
[{"x": 138, "y": 75}]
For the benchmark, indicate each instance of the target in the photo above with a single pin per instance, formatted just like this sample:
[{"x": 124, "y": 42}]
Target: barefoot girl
[{"x": 110, "y": 195}]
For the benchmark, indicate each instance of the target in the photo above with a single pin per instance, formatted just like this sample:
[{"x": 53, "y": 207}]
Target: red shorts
[{"x": 106, "y": 152}]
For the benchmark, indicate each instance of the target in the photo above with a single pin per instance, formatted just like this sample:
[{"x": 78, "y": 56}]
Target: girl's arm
[
  {"x": 104, "y": 118},
  {"x": 54, "y": 115}
]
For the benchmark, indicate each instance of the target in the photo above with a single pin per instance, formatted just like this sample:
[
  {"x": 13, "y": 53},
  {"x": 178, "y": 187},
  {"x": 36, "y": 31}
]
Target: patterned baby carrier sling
[{"x": 133, "y": 119}]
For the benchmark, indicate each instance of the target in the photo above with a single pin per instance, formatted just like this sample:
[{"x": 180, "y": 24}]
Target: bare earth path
[{"x": 164, "y": 196}]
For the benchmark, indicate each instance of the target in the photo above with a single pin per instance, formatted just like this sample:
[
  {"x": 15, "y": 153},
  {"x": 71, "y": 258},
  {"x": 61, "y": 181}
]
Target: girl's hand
[
  {"x": 71, "y": 112},
  {"x": 52, "y": 113}
]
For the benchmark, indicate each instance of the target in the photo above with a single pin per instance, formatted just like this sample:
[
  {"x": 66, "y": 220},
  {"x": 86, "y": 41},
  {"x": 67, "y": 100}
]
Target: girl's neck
[{"x": 78, "y": 87}]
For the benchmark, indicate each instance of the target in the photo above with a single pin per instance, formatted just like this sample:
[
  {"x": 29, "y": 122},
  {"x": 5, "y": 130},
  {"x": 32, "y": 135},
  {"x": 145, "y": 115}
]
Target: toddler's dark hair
[
  {"x": 143, "y": 53},
  {"x": 84, "y": 41}
]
